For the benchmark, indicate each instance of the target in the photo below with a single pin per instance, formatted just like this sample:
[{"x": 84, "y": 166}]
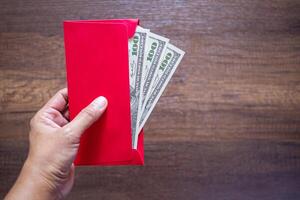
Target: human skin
[{"x": 48, "y": 172}]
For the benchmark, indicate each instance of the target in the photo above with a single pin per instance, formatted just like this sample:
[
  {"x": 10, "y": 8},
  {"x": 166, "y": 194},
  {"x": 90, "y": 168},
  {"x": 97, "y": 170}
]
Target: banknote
[
  {"x": 166, "y": 69},
  {"x": 155, "y": 48},
  {"x": 136, "y": 47}
]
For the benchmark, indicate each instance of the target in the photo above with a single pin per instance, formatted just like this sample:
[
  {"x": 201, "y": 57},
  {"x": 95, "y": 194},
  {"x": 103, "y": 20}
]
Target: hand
[{"x": 48, "y": 172}]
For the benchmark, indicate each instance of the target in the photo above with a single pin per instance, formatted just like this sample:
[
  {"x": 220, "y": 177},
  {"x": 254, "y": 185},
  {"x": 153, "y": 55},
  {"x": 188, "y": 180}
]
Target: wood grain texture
[{"x": 228, "y": 124}]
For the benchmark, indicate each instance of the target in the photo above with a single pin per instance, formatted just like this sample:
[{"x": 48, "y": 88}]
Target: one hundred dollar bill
[
  {"x": 155, "y": 48},
  {"x": 167, "y": 67},
  {"x": 136, "y": 58}
]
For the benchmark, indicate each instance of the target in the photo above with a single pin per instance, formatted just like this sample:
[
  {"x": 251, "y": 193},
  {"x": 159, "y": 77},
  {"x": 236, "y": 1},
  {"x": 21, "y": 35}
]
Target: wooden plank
[
  {"x": 252, "y": 169},
  {"x": 213, "y": 99}
]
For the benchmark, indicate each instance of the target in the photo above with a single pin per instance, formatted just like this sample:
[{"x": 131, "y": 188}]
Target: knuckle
[
  {"x": 73, "y": 139},
  {"x": 67, "y": 131},
  {"x": 89, "y": 112},
  {"x": 59, "y": 91},
  {"x": 32, "y": 122},
  {"x": 70, "y": 136},
  {"x": 62, "y": 90}
]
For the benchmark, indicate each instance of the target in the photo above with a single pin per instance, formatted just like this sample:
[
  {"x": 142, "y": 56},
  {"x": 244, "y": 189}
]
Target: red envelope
[{"x": 97, "y": 64}]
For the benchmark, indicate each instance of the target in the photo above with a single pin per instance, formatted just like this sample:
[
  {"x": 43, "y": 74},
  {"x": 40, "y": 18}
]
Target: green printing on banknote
[{"x": 152, "y": 62}]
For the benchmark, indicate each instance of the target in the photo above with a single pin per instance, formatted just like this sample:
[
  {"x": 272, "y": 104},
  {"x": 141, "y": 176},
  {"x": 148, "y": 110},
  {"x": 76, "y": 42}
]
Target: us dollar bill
[
  {"x": 155, "y": 48},
  {"x": 167, "y": 67},
  {"x": 136, "y": 49}
]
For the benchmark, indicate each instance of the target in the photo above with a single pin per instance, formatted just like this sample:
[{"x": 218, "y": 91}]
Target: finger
[
  {"x": 60, "y": 120},
  {"x": 55, "y": 116},
  {"x": 66, "y": 115},
  {"x": 59, "y": 100},
  {"x": 86, "y": 117}
]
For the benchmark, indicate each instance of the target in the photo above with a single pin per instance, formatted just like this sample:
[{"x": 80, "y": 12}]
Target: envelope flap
[
  {"x": 130, "y": 23},
  {"x": 97, "y": 65}
]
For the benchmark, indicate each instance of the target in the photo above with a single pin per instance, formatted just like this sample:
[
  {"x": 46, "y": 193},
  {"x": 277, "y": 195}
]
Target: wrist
[
  {"x": 40, "y": 180},
  {"x": 33, "y": 183}
]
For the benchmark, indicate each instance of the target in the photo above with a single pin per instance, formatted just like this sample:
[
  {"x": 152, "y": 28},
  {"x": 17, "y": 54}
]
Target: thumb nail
[{"x": 99, "y": 103}]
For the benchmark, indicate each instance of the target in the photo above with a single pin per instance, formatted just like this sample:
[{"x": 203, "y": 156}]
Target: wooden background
[{"x": 228, "y": 124}]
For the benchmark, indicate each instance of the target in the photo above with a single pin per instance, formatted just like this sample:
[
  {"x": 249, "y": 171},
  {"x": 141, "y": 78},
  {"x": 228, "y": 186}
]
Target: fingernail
[{"x": 99, "y": 103}]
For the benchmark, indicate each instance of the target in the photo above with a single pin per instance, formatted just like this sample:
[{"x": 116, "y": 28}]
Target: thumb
[{"x": 86, "y": 117}]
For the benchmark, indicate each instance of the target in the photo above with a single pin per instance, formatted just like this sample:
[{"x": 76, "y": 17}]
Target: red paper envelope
[{"x": 97, "y": 65}]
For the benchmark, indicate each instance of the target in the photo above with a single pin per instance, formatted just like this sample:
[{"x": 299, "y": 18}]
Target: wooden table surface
[{"x": 228, "y": 124}]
